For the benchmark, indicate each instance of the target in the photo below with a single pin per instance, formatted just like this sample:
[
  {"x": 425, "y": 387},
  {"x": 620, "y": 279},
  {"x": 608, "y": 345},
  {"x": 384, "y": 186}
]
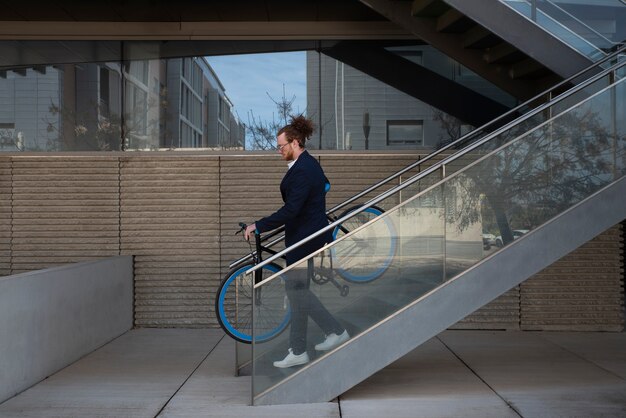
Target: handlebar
[
  {"x": 242, "y": 226},
  {"x": 256, "y": 255}
]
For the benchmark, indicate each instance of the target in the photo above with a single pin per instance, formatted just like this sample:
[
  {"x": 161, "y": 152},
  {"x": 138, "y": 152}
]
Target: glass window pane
[{"x": 405, "y": 132}]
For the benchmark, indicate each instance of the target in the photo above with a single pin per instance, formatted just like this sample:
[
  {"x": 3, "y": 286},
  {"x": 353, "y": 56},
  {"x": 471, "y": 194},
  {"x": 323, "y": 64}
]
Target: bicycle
[{"x": 233, "y": 303}]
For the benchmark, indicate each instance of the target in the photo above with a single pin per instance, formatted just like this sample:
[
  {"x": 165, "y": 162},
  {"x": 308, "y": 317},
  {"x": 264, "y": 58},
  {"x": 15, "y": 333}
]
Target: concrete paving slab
[
  {"x": 537, "y": 377},
  {"x": 190, "y": 373},
  {"x": 133, "y": 376},
  {"x": 428, "y": 382},
  {"x": 606, "y": 349},
  {"x": 214, "y": 391}
]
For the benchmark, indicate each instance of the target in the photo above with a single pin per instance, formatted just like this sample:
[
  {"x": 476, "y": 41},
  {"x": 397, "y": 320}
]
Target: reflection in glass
[
  {"x": 514, "y": 186},
  {"x": 357, "y": 111},
  {"x": 111, "y": 106},
  {"x": 591, "y": 27},
  {"x": 100, "y": 102}
]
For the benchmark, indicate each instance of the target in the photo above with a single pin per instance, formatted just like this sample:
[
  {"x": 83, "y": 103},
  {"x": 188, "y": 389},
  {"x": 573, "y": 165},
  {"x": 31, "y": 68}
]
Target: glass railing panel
[
  {"x": 503, "y": 138},
  {"x": 243, "y": 359},
  {"x": 376, "y": 269},
  {"x": 556, "y": 28},
  {"x": 479, "y": 134},
  {"x": 421, "y": 185},
  {"x": 546, "y": 171},
  {"x": 363, "y": 278},
  {"x": 548, "y": 112},
  {"x": 603, "y": 22},
  {"x": 575, "y": 24}
]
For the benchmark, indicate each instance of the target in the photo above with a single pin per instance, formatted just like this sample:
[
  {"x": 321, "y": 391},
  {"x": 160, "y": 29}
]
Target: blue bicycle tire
[
  {"x": 354, "y": 275},
  {"x": 233, "y": 305}
]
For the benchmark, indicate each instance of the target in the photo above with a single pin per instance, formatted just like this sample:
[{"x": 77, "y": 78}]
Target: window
[
  {"x": 405, "y": 132},
  {"x": 104, "y": 92},
  {"x": 220, "y": 108},
  {"x": 139, "y": 70},
  {"x": 7, "y": 135},
  {"x": 136, "y": 109},
  {"x": 191, "y": 106}
]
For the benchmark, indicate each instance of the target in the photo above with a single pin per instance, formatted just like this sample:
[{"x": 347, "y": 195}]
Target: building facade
[
  {"x": 361, "y": 112},
  {"x": 135, "y": 105}
]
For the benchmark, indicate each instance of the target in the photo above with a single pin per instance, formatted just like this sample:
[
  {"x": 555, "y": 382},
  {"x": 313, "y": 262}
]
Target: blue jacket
[{"x": 304, "y": 211}]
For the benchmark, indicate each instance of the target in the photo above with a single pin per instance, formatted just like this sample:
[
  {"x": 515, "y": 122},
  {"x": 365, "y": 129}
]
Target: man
[{"x": 303, "y": 190}]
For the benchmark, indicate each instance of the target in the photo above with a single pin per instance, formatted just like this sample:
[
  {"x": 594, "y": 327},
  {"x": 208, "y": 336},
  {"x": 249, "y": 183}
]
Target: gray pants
[{"x": 303, "y": 304}]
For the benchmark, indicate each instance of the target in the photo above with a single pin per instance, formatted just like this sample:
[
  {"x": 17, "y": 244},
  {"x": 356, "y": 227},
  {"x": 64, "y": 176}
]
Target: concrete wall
[
  {"x": 177, "y": 214},
  {"x": 51, "y": 318}
]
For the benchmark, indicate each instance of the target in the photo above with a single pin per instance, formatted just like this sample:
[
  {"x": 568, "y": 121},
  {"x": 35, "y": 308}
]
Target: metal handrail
[
  {"x": 441, "y": 163},
  {"x": 556, "y": 6},
  {"x": 434, "y": 153}
]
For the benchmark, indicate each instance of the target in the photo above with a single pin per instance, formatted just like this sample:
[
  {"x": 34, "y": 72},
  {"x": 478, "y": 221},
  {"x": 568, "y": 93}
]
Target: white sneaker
[
  {"x": 292, "y": 360},
  {"x": 332, "y": 341}
]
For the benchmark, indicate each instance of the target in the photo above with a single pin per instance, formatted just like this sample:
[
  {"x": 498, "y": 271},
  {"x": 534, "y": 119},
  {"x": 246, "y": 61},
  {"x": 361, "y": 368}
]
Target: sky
[{"x": 248, "y": 79}]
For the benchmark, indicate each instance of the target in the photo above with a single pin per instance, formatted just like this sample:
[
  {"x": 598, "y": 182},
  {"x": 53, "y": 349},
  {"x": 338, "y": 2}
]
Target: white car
[
  {"x": 489, "y": 239},
  {"x": 516, "y": 234}
]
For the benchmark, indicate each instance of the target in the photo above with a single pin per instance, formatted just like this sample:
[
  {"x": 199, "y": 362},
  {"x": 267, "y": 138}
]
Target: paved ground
[{"x": 188, "y": 373}]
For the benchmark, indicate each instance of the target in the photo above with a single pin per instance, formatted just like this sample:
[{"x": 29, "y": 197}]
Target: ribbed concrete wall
[
  {"x": 64, "y": 210},
  {"x": 169, "y": 219},
  {"x": 246, "y": 195},
  {"x": 503, "y": 313},
  {"x": 177, "y": 213},
  {"x": 583, "y": 291},
  {"x": 5, "y": 216}
]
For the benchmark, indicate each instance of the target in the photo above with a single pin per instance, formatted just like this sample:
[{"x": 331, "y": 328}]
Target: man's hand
[{"x": 249, "y": 231}]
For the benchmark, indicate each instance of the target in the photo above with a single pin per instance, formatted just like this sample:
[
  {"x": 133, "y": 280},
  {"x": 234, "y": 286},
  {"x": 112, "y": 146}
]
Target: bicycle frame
[{"x": 319, "y": 276}]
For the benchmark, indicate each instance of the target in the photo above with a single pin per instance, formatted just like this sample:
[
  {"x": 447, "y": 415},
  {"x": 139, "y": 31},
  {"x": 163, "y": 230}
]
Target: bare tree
[
  {"x": 536, "y": 170},
  {"x": 450, "y": 127},
  {"x": 95, "y": 128},
  {"x": 262, "y": 134}
]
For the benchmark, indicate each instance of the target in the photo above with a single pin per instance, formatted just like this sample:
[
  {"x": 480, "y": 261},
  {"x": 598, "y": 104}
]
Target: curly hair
[{"x": 299, "y": 129}]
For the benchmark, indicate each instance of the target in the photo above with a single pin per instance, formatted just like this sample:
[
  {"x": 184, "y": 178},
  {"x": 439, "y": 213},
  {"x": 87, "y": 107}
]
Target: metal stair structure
[
  {"x": 562, "y": 163},
  {"x": 496, "y": 39}
]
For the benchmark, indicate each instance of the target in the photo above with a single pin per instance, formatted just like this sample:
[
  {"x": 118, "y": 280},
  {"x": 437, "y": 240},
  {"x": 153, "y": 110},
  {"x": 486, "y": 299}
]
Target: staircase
[
  {"x": 560, "y": 165},
  {"x": 496, "y": 39}
]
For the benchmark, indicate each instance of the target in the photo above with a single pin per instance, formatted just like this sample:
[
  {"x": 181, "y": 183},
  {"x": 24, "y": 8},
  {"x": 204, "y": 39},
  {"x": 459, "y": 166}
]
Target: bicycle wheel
[
  {"x": 366, "y": 254},
  {"x": 233, "y": 305}
]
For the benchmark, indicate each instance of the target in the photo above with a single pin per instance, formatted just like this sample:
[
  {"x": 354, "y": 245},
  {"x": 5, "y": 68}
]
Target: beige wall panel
[
  {"x": 349, "y": 175},
  {"x": 250, "y": 190},
  {"x": 5, "y": 216},
  {"x": 169, "y": 217},
  {"x": 65, "y": 210},
  {"x": 582, "y": 291},
  {"x": 178, "y": 213}
]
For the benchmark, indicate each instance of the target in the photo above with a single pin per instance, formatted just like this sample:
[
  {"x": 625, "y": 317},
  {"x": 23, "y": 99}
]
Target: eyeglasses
[{"x": 280, "y": 147}]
